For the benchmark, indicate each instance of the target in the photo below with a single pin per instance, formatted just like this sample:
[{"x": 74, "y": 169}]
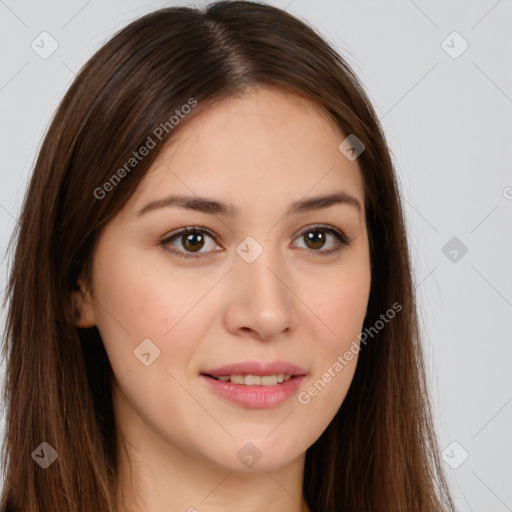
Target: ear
[{"x": 83, "y": 307}]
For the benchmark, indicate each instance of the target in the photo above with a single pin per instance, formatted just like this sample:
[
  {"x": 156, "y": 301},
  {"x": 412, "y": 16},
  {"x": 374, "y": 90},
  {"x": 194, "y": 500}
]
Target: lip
[
  {"x": 255, "y": 397},
  {"x": 256, "y": 368}
]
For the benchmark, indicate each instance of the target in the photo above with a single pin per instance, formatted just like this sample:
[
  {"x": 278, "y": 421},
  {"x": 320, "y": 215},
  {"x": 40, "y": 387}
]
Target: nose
[{"x": 260, "y": 302}]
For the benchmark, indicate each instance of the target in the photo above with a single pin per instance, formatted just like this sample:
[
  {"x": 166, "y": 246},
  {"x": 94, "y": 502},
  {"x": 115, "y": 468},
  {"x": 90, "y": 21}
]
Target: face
[{"x": 258, "y": 282}]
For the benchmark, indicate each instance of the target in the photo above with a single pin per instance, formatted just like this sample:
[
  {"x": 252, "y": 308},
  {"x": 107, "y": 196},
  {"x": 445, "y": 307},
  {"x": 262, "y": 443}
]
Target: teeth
[{"x": 255, "y": 380}]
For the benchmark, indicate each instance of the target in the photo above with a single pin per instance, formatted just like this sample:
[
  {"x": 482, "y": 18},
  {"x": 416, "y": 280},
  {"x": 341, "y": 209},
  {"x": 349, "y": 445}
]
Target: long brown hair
[{"x": 380, "y": 451}]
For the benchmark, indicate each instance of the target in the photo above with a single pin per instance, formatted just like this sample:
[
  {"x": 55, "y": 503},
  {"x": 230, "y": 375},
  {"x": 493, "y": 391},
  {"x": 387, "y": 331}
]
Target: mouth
[
  {"x": 280, "y": 370},
  {"x": 254, "y": 380},
  {"x": 254, "y": 385},
  {"x": 260, "y": 389}
]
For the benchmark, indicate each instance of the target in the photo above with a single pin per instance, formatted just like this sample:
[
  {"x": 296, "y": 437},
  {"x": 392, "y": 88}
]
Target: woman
[{"x": 211, "y": 304}]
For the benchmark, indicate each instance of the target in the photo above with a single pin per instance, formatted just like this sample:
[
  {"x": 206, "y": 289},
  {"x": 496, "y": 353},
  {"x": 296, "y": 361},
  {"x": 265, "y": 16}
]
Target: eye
[
  {"x": 315, "y": 238},
  {"x": 193, "y": 240}
]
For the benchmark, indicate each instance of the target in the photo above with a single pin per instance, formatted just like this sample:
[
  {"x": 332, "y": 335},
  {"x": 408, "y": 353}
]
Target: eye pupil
[
  {"x": 190, "y": 238},
  {"x": 317, "y": 238}
]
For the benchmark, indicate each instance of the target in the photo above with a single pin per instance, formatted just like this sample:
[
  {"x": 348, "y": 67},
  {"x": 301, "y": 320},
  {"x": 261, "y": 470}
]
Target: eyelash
[{"x": 342, "y": 240}]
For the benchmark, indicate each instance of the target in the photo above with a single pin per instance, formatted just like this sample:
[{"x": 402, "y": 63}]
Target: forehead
[{"x": 265, "y": 144}]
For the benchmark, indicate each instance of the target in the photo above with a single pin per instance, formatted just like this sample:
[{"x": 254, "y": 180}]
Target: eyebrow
[{"x": 213, "y": 207}]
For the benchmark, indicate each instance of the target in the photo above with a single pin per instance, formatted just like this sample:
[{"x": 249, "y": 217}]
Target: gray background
[{"x": 447, "y": 120}]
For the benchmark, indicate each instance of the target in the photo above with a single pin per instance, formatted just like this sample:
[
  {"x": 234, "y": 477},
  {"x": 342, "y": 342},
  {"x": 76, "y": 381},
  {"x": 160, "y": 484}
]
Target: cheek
[
  {"x": 340, "y": 308},
  {"x": 340, "y": 305},
  {"x": 126, "y": 304},
  {"x": 342, "y": 311},
  {"x": 138, "y": 299}
]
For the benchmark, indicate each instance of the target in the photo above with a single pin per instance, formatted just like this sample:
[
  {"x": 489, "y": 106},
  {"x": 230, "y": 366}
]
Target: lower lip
[{"x": 255, "y": 396}]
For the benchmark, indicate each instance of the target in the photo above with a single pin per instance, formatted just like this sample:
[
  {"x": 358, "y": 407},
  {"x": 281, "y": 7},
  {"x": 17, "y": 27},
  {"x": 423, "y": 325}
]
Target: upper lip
[{"x": 256, "y": 368}]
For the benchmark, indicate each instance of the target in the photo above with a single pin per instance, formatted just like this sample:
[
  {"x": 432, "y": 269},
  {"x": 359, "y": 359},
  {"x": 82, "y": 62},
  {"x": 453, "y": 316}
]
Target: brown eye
[
  {"x": 189, "y": 241},
  {"x": 193, "y": 242},
  {"x": 316, "y": 237}
]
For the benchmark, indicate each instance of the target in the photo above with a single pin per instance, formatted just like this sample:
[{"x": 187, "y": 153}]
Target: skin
[{"x": 261, "y": 152}]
